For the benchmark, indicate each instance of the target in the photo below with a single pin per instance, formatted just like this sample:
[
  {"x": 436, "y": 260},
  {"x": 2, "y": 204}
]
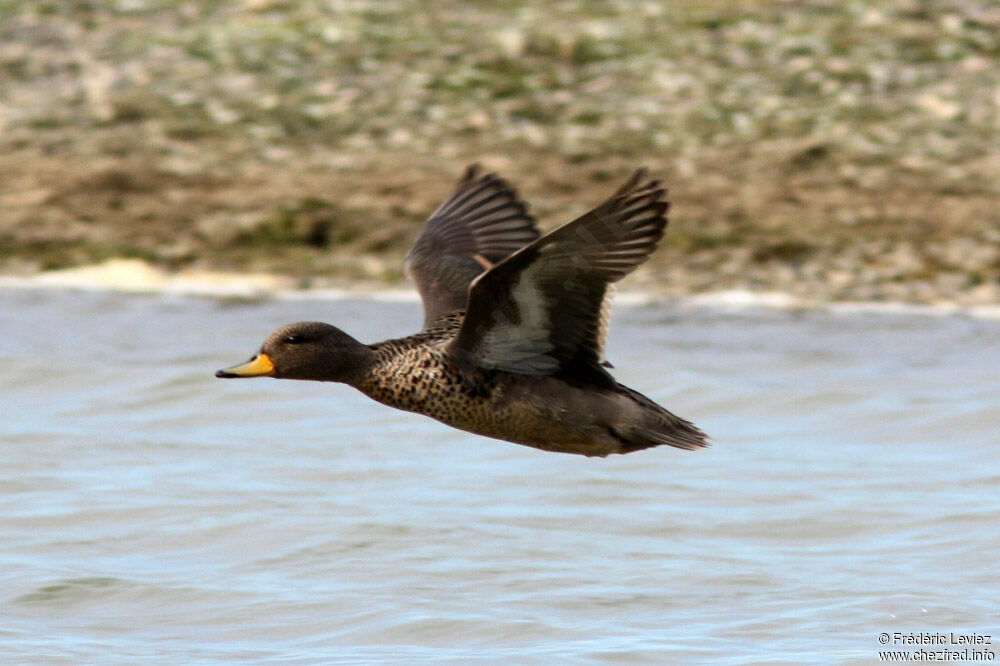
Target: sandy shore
[
  {"x": 140, "y": 277},
  {"x": 838, "y": 152}
]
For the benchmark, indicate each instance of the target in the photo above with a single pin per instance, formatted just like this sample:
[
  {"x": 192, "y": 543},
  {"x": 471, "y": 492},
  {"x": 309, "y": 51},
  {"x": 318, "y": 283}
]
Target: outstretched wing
[
  {"x": 541, "y": 310},
  {"x": 481, "y": 224}
]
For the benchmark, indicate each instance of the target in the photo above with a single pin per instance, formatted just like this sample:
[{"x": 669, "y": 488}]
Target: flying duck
[{"x": 512, "y": 345}]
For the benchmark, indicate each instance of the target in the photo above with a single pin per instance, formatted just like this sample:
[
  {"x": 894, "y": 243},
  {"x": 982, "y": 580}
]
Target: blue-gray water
[{"x": 150, "y": 513}]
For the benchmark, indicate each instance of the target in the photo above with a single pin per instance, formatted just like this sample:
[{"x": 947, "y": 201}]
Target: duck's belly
[{"x": 507, "y": 407}]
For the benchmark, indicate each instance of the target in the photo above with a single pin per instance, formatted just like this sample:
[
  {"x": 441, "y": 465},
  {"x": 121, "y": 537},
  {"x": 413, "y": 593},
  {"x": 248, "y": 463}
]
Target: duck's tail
[{"x": 656, "y": 427}]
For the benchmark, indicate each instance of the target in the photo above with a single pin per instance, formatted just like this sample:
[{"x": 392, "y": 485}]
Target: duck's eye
[{"x": 294, "y": 339}]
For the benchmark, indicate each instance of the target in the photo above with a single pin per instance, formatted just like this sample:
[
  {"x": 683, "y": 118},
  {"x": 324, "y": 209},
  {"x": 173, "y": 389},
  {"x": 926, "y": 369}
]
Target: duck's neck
[
  {"x": 349, "y": 363},
  {"x": 354, "y": 367}
]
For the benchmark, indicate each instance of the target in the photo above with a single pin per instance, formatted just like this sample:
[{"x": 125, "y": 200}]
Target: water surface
[{"x": 150, "y": 513}]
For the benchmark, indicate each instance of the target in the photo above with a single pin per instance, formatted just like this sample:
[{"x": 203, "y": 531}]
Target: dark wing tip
[
  {"x": 641, "y": 186},
  {"x": 641, "y": 205},
  {"x": 471, "y": 173},
  {"x": 639, "y": 181}
]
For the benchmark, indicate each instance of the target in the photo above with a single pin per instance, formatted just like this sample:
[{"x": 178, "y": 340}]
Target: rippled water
[{"x": 150, "y": 513}]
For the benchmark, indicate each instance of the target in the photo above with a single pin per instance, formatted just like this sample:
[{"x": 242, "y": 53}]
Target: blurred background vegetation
[{"x": 833, "y": 150}]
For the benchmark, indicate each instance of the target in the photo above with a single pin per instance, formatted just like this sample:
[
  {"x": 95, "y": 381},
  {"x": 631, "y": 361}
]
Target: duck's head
[{"x": 307, "y": 350}]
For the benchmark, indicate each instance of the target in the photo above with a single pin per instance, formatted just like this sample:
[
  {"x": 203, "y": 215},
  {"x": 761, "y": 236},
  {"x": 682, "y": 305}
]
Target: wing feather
[
  {"x": 479, "y": 225},
  {"x": 546, "y": 307}
]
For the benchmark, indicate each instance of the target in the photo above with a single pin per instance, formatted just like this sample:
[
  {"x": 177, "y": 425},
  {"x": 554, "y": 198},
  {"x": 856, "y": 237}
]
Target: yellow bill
[{"x": 259, "y": 366}]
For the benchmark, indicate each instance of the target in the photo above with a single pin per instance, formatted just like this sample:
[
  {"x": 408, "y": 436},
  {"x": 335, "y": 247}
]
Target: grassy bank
[{"x": 832, "y": 150}]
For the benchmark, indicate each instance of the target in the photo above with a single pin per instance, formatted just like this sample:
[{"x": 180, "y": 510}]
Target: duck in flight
[{"x": 514, "y": 326}]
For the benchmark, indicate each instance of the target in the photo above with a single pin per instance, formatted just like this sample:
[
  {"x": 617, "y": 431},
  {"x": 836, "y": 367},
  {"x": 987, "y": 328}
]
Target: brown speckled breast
[{"x": 415, "y": 374}]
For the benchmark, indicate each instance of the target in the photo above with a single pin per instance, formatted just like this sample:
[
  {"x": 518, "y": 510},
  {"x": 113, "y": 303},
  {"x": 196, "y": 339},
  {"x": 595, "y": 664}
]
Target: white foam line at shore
[
  {"x": 739, "y": 299},
  {"x": 136, "y": 276},
  {"x": 388, "y": 294}
]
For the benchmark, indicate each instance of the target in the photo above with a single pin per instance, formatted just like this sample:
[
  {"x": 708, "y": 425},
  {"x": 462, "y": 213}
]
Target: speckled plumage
[
  {"x": 416, "y": 374},
  {"x": 524, "y": 361}
]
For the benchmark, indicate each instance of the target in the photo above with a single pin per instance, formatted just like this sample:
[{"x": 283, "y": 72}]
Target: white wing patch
[{"x": 521, "y": 346}]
